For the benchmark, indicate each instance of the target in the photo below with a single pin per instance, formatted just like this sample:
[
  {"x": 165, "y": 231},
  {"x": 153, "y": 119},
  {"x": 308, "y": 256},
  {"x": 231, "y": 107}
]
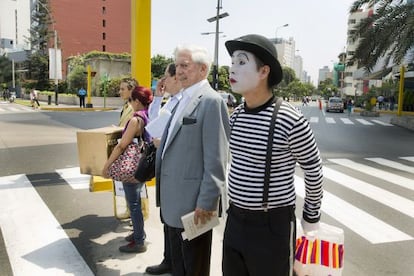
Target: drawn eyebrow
[{"x": 243, "y": 55}]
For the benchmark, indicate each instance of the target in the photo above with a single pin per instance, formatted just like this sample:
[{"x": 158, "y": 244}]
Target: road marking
[
  {"x": 389, "y": 177},
  {"x": 74, "y": 178},
  {"x": 314, "y": 119},
  {"x": 409, "y": 158},
  {"x": 357, "y": 220},
  {"x": 381, "y": 123},
  {"x": 365, "y": 122},
  {"x": 330, "y": 120},
  {"x": 347, "y": 121},
  {"x": 385, "y": 197},
  {"x": 392, "y": 164},
  {"x": 2, "y": 110},
  {"x": 36, "y": 243}
]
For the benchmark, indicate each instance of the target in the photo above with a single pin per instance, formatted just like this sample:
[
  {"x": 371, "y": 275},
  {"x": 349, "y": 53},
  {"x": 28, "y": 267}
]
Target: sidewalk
[{"x": 110, "y": 262}]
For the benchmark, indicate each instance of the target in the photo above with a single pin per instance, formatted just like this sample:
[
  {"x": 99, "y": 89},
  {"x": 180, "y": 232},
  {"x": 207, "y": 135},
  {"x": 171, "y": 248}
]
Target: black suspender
[{"x": 269, "y": 153}]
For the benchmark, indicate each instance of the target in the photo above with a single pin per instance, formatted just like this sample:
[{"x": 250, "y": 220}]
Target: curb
[{"x": 77, "y": 108}]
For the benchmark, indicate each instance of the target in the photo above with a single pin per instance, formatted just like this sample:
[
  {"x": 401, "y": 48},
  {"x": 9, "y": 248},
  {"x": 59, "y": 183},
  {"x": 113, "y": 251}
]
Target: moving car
[{"x": 335, "y": 104}]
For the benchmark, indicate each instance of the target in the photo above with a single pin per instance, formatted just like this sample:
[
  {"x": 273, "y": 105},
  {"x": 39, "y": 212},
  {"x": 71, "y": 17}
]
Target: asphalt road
[{"x": 369, "y": 191}]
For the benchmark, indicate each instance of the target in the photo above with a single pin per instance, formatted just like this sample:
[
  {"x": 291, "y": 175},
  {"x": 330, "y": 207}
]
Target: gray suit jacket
[{"x": 192, "y": 171}]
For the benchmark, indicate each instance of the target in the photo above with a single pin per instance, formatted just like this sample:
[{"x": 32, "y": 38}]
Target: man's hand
[
  {"x": 160, "y": 89},
  {"x": 202, "y": 216},
  {"x": 157, "y": 142}
]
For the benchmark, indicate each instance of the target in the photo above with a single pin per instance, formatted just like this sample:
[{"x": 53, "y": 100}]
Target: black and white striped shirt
[{"x": 293, "y": 143}]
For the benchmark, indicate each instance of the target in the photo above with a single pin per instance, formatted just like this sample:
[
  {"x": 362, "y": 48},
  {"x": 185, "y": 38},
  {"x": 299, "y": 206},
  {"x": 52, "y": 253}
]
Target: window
[
  {"x": 104, "y": 23},
  {"x": 103, "y": 48},
  {"x": 103, "y": 36},
  {"x": 103, "y": 10}
]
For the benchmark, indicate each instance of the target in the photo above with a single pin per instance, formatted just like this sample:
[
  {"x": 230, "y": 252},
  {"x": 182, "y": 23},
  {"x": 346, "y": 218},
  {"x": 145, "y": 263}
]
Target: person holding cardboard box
[{"x": 140, "y": 99}]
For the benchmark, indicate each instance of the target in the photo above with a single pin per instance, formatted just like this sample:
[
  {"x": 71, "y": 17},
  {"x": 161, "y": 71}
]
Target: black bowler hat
[{"x": 263, "y": 49}]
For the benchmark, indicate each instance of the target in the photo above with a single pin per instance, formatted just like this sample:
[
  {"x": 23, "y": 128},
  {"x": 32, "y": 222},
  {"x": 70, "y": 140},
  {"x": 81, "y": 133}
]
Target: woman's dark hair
[{"x": 171, "y": 69}]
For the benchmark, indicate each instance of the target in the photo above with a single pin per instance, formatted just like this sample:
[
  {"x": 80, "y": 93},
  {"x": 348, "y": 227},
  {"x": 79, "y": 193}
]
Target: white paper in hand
[
  {"x": 156, "y": 127},
  {"x": 191, "y": 230}
]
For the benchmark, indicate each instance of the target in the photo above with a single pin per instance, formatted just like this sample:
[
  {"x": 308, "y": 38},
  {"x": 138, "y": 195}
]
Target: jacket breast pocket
[{"x": 189, "y": 120}]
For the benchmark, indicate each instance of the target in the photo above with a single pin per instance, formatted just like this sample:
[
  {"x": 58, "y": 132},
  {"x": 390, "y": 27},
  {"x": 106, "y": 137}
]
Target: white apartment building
[
  {"x": 15, "y": 20},
  {"x": 353, "y": 83},
  {"x": 324, "y": 73},
  {"x": 286, "y": 55}
]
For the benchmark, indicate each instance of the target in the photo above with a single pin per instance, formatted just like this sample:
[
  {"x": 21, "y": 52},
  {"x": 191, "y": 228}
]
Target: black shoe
[
  {"x": 133, "y": 248},
  {"x": 130, "y": 237},
  {"x": 158, "y": 269}
]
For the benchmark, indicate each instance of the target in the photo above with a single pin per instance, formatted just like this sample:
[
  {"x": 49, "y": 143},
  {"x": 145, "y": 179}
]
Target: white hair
[{"x": 198, "y": 54}]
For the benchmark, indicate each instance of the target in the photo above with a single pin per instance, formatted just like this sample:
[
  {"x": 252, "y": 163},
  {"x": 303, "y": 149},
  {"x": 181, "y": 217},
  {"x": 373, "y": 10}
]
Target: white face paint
[{"x": 244, "y": 75}]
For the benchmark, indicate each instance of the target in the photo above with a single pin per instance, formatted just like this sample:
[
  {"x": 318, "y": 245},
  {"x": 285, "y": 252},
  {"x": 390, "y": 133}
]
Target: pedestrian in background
[
  {"x": 191, "y": 161},
  {"x": 141, "y": 97},
  {"x": 33, "y": 98},
  {"x": 125, "y": 89},
  {"x": 81, "y": 95},
  {"x": 349, "y": 106},
  {"x": 259, "y": 237},
  {"x": 168, "y": 84}
]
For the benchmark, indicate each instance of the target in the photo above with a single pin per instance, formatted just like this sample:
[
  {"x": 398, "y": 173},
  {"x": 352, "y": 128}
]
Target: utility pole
[{"x": 215, "y": 63}]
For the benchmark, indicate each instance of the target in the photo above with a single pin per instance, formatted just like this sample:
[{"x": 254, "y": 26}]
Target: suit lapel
[{"x": 188, "y": 110}]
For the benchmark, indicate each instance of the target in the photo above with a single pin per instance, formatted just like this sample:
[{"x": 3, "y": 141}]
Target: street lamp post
[
  {"x": 215, "y": 63},
  {"x": 279, "y": 27}
]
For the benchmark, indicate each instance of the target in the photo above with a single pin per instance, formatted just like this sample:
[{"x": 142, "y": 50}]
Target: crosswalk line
[
  {"x": 36, "y": 243},
  {"x": 392, "y": 164},
  {"x": 384, "y": 197},
  {"x": 314, "y": 119},
  {"x": 74, "y": 178},
  {"x": 408, "y": 158},
  {"x": 364, "y": 122},
  {"x": 381, "y": 123},
  {"x": 389, "y": 177},
  {"x": 365, "y": 225},
  {"x": 330, "y": 120},
  {"x": 347, "y": 121}
]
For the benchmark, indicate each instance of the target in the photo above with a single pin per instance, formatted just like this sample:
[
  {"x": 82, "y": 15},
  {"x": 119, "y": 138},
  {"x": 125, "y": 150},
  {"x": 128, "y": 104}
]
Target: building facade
[
  {"x": 84, "y": 26},
  {"x": 353, "y": 75},
  {"x": 14, "y": 25}
]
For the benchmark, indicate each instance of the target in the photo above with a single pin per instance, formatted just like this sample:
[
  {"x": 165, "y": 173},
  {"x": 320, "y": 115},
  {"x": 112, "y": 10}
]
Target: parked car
[{"x": 335, "y": 104}]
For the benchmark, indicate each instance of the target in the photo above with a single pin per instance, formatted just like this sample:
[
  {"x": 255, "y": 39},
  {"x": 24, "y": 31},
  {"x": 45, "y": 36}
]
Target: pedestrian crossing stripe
[
  {"x": 349, "y": 121},
  {"x": 409, "y": 158},
  {"x": 43, "y": 247},
  {"x": 392, "y": 164},
  {"x": 381, "y": 123},
  {"x": 387, "y": 176},
  {"x": 74, "y": 178},
  {"x": 362, "y": 223},
  {"x": 373, "y": 192},
  {"x": 364, "y": 122},
  {"x": 330, "y": 120}
]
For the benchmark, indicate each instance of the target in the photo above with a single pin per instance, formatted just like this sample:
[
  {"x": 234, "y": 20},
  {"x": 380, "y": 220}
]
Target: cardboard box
[{"x": 95, "y": 146}]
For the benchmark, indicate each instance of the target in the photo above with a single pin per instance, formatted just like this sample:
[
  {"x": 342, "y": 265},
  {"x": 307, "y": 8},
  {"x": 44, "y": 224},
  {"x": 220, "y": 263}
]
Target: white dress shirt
[
  {"x": 155, "y": 107},
  {"x": 186, "y": 97}
]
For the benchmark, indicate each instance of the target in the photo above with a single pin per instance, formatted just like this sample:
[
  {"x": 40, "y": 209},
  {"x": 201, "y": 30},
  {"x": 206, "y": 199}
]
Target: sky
[{"x": 318, "y": 26}]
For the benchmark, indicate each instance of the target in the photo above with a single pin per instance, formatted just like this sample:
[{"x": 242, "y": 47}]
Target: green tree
[
  {"x": 5, "y": 70},
  {"x": 387, "y": 33},
  {"x": 77, "y": 78},
  {"x": 158, "y": 65},
  {"x": 40, "y": 33},
  {"x": 288, "y": 76}
]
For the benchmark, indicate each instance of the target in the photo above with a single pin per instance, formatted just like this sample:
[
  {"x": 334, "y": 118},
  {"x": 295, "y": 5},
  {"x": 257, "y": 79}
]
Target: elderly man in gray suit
[{"x": 191, "y": 161}]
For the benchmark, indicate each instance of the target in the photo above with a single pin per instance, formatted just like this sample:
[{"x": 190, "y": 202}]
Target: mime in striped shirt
[{"x": 259, "y": 237}]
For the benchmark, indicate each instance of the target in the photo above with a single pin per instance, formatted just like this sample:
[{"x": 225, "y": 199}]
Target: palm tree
[{"x": 388, "y": 33}]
